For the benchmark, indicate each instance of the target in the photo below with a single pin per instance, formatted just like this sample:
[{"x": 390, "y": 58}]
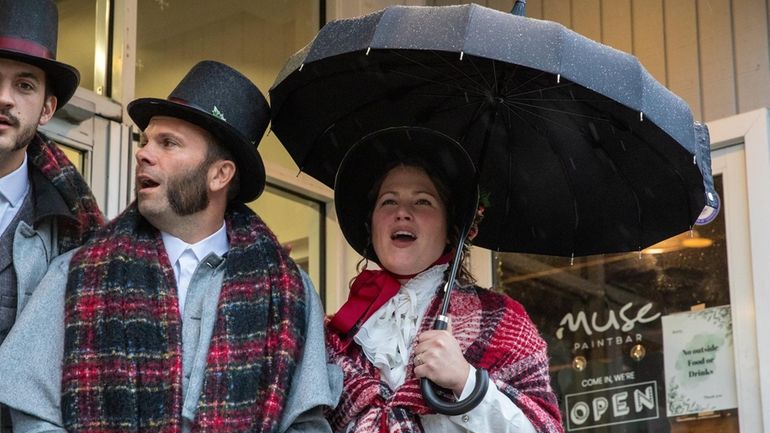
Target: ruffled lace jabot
[{"x": 386, "y": 337}]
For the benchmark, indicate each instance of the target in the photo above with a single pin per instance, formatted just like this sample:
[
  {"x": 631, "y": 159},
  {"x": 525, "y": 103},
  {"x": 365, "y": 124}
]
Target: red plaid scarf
[
  {"x": 494, "y": 333},
  {"x": 122, "y": 358},
  {"x": 54, "y": 165}
]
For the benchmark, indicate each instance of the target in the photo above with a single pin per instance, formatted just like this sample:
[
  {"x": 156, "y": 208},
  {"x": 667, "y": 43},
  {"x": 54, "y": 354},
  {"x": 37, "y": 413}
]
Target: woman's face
[{"x": 409, "y": 223}]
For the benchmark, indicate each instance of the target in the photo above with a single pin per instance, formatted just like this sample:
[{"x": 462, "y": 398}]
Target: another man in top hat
[
  {"x": 184, "y": 313},
  {"x": 46, "y": 208}
]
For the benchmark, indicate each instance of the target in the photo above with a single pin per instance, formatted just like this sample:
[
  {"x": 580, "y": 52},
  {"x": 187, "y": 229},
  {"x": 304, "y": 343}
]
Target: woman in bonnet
[{"x": 402, "y": 196}]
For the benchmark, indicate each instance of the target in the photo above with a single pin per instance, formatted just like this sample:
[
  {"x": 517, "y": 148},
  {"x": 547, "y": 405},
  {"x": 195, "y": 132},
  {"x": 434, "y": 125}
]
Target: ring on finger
[{"x": 418, "y": 360}]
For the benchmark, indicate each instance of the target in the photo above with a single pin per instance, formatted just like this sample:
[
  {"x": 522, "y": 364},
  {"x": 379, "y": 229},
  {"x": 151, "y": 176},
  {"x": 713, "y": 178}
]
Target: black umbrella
[
  {"x": 587, "y": 152},
  {"x": 579, "y": 150}
]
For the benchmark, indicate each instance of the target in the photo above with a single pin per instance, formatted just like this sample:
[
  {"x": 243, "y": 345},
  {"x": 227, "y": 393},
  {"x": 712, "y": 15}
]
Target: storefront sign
[
  {"x": 698, "y": 361},
  {"x": 614, "y": 375},
  {"x": 612, "y": 406},
  {"x": 623, "y": 321}
]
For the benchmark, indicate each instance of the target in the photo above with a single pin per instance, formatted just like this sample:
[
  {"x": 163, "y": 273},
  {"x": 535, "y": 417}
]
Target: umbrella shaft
[{"x": 442, "y": 318}]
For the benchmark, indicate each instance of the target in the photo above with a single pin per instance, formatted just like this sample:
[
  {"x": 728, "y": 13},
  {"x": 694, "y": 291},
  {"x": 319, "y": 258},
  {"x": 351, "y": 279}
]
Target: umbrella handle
[{"x": 457, "y": 407}]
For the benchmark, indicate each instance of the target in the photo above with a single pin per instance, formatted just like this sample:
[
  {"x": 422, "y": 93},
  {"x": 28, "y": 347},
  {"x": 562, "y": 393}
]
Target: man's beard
[
  {"x": 188, "y": 192},
  {"x": 25, "y": 134}
]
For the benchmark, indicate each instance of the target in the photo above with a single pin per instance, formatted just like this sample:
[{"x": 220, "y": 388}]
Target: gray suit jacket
[{"x": 31, "y": 358}]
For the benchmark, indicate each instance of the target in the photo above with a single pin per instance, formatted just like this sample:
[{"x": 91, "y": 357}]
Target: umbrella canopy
[{"x": 578, "y": 149}]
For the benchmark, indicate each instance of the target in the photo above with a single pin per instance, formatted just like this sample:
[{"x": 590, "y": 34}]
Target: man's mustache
[{"x": 10, "y": 118}]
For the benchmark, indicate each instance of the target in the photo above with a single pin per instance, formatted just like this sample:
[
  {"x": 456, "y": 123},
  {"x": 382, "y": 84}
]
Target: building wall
[{"x": 712, "y": 53}]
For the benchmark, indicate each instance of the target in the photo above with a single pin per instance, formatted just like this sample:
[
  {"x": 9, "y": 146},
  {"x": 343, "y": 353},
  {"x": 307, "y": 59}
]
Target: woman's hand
[{"x": 438, "y": 357}]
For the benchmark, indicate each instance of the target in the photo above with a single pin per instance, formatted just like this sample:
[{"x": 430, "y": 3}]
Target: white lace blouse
[{"x": 386, "y": 339}]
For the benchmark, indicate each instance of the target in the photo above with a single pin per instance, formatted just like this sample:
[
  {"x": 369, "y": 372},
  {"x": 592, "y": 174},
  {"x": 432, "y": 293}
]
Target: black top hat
[
  {"x": 370, "y": 158},
  {"x": 220, "y": 100},
  {"x": 28, "y": 32}
]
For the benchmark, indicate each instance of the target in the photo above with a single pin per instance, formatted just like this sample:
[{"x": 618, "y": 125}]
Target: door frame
[{"x": 741, "y": 153}]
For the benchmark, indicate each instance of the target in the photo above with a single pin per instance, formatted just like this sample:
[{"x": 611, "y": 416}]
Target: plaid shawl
[
  {"x": 122, "y": 357},
  {"x": 54, "y": 165},
  {"x": 494, "y": 332}
]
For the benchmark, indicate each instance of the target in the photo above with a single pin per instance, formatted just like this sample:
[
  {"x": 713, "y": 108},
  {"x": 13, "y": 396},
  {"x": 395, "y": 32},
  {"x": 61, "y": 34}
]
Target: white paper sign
[{"x": 698, "y": 360}]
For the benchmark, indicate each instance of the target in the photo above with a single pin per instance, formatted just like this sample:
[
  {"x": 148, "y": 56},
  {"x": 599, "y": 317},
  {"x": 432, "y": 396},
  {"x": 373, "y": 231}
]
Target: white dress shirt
[
  {"x": 13, "y": 188},
  {"x": 386, "y": 340},
  {"x": 185, "y": 257}
]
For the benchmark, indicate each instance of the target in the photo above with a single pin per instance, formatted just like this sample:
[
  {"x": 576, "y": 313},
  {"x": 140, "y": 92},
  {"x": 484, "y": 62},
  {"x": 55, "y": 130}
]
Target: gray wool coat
[
  {"x": 36, "y": 244},
  {"x": 31, "y": 357}
]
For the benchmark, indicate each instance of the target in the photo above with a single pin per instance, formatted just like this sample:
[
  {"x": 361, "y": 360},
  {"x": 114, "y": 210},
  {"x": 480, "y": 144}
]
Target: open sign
[{"x": 611, "y": 406}]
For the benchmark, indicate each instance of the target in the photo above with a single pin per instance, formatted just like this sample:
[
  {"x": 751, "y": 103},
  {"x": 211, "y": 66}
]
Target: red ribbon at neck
[{"x": 370, "y": 291}]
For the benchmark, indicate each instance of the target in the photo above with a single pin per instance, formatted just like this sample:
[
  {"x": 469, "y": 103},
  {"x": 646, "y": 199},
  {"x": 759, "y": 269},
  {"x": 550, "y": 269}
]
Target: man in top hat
[
  {"x": 46, "y": 208},
  {"x": 184, "y": 313}
]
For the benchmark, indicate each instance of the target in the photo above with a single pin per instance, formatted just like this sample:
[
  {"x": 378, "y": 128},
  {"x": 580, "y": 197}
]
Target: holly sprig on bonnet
[{"x": 484, "y": 204}]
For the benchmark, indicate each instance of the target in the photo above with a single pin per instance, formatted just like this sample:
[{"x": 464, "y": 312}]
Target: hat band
[
  {"x": 186, "y": 103},
  {"x": 25, "y": 46}
]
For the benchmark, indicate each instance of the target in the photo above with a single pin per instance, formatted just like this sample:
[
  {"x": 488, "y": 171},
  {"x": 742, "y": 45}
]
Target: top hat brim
[
  {"x": 63, "y": 78},
  {"x": 247, "y": 160},
  {"x": 371, "y": 157}
]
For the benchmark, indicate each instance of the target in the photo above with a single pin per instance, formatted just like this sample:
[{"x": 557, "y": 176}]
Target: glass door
[{"x": 652, "y": 341}]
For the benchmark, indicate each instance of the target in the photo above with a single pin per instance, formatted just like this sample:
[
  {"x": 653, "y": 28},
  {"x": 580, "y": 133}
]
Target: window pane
[
  {"x": 627, "y": 354},
  {"x": 255, "y": 37},
  {"x": 77, "y": 37},
  {"x": 297, "y": 223},
  {"x": 76, "y": 156}
]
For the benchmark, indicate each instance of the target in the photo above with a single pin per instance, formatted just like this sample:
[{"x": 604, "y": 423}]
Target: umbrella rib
[
  {"x": 622, "y": 175},
  {"x": 531, "y": 124},
  {"x": 678, "y": 175},
  {"x": 510, "y": 79},
  {"x": 629, "y": 185},
  {"x": 410, "y": 59},
  {"x": 455, "y": 107},
  {"x": 467, "y": 103},
  {"x": 559, "y": 86},
  {"x": 511, "y": 111},
  {"x": 569, "y": 113},
  {"x": 433, "y": 81},
  {"x": 505, "y": 88},
  {"x": 508, "y": 126},
  {"x": 564, "y": 173},
  {"x": 494, "y": 72},
  {"x": 472, "y": 120},
  {"x": 489, "y": 85},
  {"x": 453, "y": 66},
  {"x": 529, "y": 81},
  {"x": 560, "y": 100},
  {"x": 533, "y": 113},
  {"x": 568, "y": 181},
  {"x": 437, "y": 95},
  {"x": 450, "y": 97},
  {"x": 561, "y": 164}
]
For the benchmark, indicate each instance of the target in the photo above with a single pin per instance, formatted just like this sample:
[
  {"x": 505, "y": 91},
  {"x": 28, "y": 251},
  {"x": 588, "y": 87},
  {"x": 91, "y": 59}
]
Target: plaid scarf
[
  {"x": 494, "y": 333},
  {"x": 122, "y": 357},
  {"x": 54, "y": 165}
]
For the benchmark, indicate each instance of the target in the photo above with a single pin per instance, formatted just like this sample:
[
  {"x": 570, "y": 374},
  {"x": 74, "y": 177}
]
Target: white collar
[
  {"x": 215, "y": 243},
  {"x": 386, "y": 338},
  {"x": 14, "y": 185}
]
